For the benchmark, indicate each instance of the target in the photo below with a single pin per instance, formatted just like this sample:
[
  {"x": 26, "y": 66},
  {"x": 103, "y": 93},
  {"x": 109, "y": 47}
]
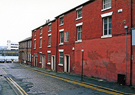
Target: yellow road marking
[
  {"x": 88, "y": 85},
  {"x": 15, "y": 84},
  {"x": 3, "y": 71},
  {"x": 18, "y": 86}
]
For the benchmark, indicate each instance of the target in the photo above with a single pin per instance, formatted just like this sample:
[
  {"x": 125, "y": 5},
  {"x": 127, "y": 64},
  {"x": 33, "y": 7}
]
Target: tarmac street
[{"x": 18, "y": 79}]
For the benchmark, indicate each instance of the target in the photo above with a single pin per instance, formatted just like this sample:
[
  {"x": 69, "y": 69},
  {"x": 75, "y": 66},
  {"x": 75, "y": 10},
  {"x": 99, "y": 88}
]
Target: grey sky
[{"x": 19, "y": 17}]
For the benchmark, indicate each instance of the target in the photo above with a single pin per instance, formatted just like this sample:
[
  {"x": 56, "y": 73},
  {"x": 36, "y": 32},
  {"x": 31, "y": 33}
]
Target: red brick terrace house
[{"x": 102, "y": 28}]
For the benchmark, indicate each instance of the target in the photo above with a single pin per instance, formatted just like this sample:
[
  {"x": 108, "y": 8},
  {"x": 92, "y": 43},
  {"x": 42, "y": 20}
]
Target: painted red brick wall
[{"x": 103, "y": 58}]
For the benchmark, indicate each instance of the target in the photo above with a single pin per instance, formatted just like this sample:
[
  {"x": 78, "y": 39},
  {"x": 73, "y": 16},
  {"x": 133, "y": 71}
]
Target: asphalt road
[{"x": 14, "y": 77}]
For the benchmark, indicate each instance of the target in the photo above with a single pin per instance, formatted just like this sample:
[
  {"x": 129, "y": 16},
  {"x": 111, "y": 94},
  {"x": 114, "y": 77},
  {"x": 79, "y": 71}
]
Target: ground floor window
[{"x": 61, "y": 58}]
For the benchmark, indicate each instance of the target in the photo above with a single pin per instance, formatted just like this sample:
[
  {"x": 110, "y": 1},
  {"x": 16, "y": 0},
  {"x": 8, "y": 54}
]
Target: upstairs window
[
  {"x": 40, "y": 31},
  {"x": 79, "y": 13},
  {"x": 107, "y": 28},
  {"x": 61, "y": 20},
  {"x": 41, "y": 42},
  {"x": 49, "y": 40},
  {"x": 49, "y": 27},
  {"x": 34, "y": 33},
  {"x": 67, "y": 36},
  {"x": 79, "y": 33},
  {"x": 35, "y": 44},
  {"x": 106, "y": 4},
  {"x": 61, "y": 37}
]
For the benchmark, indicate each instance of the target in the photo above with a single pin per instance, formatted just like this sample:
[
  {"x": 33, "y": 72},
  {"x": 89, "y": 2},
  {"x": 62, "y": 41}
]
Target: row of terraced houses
[{"x": 96, "y": 35}]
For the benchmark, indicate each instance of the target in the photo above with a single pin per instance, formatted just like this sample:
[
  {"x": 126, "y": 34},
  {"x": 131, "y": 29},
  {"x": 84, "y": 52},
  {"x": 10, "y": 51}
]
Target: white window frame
[
  {"x": 49, "y": 27},
  {"x": 66, "y": 38},
  {"x": 78, "y": 9},
  {"x": 40, "y": 42},
  {"x": 49, "y": 62},
  {"x": 107, "y": 8},
  {"x": 49, "y": 42},
  {"x": 106, "y": 15},
  {"x": 60, "y": 20},
  {"x": 61, "y": 31},
  {"x": 61, "y": 51},
  {"x": 34, "y": 33},
  {"x": 34, "y": 43},
  {"x": 78, "y": 25},
  {"x": 41, "y": 30}
]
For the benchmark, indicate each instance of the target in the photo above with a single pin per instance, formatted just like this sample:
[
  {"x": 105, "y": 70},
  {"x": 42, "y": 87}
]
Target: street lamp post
[
  {"x": 82, "y": 64},
  {"x": 126, "y": 30}
]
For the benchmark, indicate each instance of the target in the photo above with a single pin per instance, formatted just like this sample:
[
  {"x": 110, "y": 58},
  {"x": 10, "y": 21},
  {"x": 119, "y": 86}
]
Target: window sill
[
  {"x": 49, "y": 30},
  {"x": 40, "y": 47},
  {"x": 49, "y": 46},
  {"x": 34, "y": 48},
  {"x": 79, "y": 18},
  {"x": 61, "y": 24},
  {"x": 49, "y": 63},
  {"x": 78, "y": 41},
  {"x": 40, "y": 62},
  {"x": 106, "y": 36},
  {"x": 106, "y": 9},
  {"x": 60, "y": 64},
  {"x": 61, "y": 44},
  {"x": 40, "y": 33}
]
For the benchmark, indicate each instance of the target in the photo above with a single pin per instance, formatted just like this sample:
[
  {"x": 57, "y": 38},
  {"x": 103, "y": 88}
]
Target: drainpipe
[
  {"x": 131, "y": 48},
  {"x": 57, "y": 46}
]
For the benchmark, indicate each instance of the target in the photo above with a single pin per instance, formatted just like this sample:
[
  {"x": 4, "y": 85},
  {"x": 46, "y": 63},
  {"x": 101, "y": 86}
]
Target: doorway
[
  {"x": 53, "y": 63},
  {"x": 44, "y": 61},
  {"x": 67, "y": 64}
]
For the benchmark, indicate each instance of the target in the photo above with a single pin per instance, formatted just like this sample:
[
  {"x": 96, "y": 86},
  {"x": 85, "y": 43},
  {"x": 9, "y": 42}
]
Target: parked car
[
  {"x": 8, "y": 60},
  {"x": 2, "y": 60}
]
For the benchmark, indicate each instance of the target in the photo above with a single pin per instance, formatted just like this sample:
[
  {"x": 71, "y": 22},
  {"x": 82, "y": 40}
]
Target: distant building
[
  {"x": 12, "y": 45},
  {"x": 25, "y": 50}
]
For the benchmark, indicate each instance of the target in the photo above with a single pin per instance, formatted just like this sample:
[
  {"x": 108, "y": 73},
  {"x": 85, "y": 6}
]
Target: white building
[{"x": 12, "y": 45}]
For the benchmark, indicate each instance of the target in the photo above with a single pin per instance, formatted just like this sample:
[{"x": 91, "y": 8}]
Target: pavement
[{"x": 98, "y": 83}]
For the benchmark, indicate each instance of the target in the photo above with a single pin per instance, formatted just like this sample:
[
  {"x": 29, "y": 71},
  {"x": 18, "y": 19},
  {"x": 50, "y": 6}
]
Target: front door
[
  {"x": 67, "y": 64},
  {"x": 43, "y": 62},
  {"x": 53, "y": 63}
]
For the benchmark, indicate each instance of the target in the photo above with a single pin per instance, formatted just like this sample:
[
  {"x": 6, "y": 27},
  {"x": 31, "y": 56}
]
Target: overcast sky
[{"x": 19, "y": 17}]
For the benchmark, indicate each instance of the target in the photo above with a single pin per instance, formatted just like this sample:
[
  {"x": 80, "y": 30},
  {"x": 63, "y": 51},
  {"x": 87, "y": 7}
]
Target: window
[
  {"x": 49, "y": 57},
  {"x": 61, "y": 20},
  {"x": 49, "y": 28},
  {"x": 34, "y": 44},
  {"x": 67, "y": 36},
  {"x": 61, "y": 58},
  {"x": 40, "y": 30},
  {"x": 35, "y": 33},
  {"x": 79, "y": 13},
  {"x": 106, "y": 4},
  {"x": 41, "y": 42},
  {"x": 61, "y": 37},
  {"x": 107, "y": 26},
  {"x": 79, "y": 33},
  {"x": 49, "y": 40},
  {"x": 40, "y": 58}
]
